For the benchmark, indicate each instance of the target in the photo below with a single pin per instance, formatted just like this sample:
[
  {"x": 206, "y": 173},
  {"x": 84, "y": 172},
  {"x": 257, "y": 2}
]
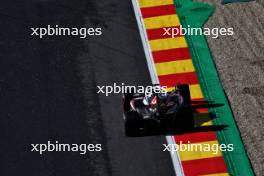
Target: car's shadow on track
[{"x": 201, "y": 122}]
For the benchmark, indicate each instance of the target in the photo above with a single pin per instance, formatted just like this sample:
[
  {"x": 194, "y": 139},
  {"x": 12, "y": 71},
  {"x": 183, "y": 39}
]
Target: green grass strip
[{"x": 196, "y": 14}]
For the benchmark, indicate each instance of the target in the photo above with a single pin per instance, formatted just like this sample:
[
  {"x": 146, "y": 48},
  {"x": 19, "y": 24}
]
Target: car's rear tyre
[
  {"x": 185, "y": 93},
  {"x": 132, "y": 124},
  {"x": 186, "y": 112}
]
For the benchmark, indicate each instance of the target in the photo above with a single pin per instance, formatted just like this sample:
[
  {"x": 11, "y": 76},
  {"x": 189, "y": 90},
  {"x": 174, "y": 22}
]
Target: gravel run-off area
[{"x": 240, "y": 63}]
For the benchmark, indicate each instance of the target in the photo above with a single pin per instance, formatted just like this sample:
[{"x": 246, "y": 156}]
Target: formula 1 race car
[{"x": 173, "y": 108}]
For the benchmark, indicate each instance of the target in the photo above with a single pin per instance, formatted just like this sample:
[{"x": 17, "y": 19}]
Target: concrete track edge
[{"x": 154, "y": 78}]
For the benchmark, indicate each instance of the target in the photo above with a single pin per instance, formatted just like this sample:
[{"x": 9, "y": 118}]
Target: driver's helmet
[
  {"x": 147, "y": 99},
  {"x": 150, "y": 100}
]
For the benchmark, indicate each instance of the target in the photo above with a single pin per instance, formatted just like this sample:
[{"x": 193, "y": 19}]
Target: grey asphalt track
[{"x": 48, "y": 91}]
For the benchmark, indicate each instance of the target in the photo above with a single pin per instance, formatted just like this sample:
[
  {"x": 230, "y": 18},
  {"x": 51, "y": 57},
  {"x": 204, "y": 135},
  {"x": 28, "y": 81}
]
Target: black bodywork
[{"x": 136, "y": 124}]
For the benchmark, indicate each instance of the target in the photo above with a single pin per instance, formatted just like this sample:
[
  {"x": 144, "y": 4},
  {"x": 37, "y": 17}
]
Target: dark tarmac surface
[{"x": 48, "y": 91}]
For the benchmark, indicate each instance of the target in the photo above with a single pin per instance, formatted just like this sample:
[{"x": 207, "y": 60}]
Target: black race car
[{"x": 173, "y": 108}]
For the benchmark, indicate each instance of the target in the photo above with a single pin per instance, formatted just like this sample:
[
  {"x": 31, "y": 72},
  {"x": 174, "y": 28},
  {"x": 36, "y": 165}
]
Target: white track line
[
  {"x": 154, "y": 78},
  {"x": 144, "y": 39}
]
